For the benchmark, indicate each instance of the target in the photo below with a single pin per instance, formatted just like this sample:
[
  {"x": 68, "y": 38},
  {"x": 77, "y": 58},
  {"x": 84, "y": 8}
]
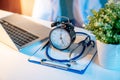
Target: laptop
[{"x": 17, "y": 32}]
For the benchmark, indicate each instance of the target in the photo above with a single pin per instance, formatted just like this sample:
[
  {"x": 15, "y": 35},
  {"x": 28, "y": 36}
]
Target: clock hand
[{"x": 61, "y": 37}]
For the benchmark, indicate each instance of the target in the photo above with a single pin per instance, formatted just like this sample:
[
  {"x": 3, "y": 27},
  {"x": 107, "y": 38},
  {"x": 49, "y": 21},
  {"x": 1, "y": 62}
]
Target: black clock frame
[{"x": 68, "y": 27}]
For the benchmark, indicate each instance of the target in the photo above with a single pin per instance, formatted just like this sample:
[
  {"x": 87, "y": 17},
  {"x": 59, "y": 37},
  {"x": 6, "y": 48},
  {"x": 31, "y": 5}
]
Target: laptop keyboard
[{"x": 19, "y": 36}]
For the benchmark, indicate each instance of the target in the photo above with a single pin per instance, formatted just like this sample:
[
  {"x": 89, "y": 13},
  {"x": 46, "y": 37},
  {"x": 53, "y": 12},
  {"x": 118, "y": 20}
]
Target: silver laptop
[{"x": 19, "y": 31}]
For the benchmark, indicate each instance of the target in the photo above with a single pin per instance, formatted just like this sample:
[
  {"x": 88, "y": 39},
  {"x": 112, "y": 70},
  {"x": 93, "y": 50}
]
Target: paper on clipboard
[{"x": 79, "y": 66}]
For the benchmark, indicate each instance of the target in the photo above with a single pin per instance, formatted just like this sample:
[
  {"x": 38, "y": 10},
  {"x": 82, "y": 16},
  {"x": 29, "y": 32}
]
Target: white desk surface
[{"x": 15, "y": 66}]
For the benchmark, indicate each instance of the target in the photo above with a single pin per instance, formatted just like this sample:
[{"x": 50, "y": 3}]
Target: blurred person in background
[{"x": 76, "y": 10}]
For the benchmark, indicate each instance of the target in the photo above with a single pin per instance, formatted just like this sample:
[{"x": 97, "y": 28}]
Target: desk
[{"x": 15, "y": 66}]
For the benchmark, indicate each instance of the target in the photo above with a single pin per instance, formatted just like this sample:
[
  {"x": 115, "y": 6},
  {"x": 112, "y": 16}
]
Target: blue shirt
[{"x": 80, "y": 10}]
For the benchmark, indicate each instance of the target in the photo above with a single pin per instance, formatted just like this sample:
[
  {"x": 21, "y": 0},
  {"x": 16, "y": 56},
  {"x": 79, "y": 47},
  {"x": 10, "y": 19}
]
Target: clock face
[{"x": 60, "y": 38}]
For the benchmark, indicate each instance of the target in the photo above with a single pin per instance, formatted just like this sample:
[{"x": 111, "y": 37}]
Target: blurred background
[
  {"x": 18, "y": 6},
  {"x": 76, "y": 10}
]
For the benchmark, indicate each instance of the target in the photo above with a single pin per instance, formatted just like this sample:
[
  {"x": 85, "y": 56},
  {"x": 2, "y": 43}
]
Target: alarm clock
[{"x": 63, "y": 35}]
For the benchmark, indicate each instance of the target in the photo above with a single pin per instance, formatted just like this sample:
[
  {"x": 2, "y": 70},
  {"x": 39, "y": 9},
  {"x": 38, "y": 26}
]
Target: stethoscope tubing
[{"x": 74, "y": 58}]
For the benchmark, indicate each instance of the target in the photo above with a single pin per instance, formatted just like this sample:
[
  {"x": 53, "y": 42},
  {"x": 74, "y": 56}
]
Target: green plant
[{"x": 105, "y": 24}]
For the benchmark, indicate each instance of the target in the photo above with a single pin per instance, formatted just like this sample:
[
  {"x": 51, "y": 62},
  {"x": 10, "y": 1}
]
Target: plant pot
[{"x": 109, "y": 55}]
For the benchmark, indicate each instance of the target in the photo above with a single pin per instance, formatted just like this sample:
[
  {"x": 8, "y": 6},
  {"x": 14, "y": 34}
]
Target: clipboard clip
[{"x": 54, "y": 64}]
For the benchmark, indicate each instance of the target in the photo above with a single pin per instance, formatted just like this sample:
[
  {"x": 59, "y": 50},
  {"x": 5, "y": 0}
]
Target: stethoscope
[{"x": 84, "y": 43}]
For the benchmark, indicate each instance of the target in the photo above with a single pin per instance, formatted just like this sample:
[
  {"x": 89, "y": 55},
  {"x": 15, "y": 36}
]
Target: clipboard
[{"x": 79, "y": 66}]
